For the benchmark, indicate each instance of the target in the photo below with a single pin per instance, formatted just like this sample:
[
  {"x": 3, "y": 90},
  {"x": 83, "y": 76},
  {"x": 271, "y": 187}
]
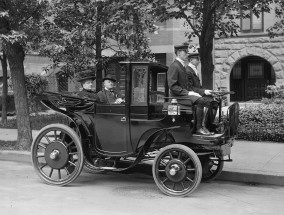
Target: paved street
[{"x": 22, "y": 192}]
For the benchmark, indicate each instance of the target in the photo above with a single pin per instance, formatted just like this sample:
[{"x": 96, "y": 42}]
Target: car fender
[{"x": 148, "y": 137}]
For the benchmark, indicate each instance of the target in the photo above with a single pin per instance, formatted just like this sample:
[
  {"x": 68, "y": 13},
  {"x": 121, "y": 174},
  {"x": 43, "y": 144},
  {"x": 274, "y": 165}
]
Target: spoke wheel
[
  {"x": 177, "y": 170},
  {"x": 88, "y": 165},
  {"x": 211, "y": 168},
  {"x": 57, "y": 154}
]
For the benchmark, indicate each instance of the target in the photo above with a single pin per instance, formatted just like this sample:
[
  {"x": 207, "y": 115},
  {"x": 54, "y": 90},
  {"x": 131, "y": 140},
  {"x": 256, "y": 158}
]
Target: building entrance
[{"x": 249, "y": 78}]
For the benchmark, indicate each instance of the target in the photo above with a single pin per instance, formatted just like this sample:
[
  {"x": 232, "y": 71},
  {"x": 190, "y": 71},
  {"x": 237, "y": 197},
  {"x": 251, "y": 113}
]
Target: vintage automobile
[{"x": 150, "y": 127}]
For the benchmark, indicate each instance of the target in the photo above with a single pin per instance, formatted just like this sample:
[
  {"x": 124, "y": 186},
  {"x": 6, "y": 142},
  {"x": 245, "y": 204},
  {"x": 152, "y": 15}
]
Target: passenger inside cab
[
  {"x": 109, "y": 95},
  {"x": 86, "y": 78}
]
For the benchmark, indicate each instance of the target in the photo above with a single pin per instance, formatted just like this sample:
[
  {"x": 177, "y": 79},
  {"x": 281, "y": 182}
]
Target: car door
[{"x": 112, "y": 129}]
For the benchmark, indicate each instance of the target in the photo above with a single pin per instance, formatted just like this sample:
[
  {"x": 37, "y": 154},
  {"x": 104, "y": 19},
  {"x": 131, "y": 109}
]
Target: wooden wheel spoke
[
  {"x": 165, "y": 180},
  {"x": 190, "y": 169},
  {"x": 50, "y": 173},
  {"x": 179, "y": 155},
  {"x": 69, "y": 144},
  {"x": 44, "y": 165},
  {"x": 174, "y": 186},
  {"x": 47, "y": 138},
  {"x": 182, "y": 186},
  {"x": 42, "y": 145},
  {"x": 189, "y": 179},
  {"x": 73, "y": 153},
  {"x": 71, "y": 163},
  {"x": 67, "y": 171},
  {"x": 63, "y": 137},
  {"x": 59, "y": 174},
  {"x": 40, "y": 156},
  {"x": 187, "y": 160},
  {"x": 162, "y": 170},
  {"x": 171, "y": 156},
  {"x": 55, "y": 135}
]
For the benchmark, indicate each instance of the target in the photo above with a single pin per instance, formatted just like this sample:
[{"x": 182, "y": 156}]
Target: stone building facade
[{"x": 228, "y": 52}]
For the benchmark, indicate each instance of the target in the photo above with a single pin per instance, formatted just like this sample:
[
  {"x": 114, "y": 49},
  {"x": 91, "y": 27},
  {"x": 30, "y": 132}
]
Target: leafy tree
[
  {"x": 19, "y": 27},
  {"x": 78, "y": 31},
  {"x": 207, "y": 19}
]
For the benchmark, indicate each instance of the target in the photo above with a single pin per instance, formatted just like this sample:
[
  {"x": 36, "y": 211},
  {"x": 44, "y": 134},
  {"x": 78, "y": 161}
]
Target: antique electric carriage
[{"x": 150, "y": 126}]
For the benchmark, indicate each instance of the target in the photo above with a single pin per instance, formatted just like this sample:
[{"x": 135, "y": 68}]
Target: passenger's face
[
  {"x": 195, "y": 61},
  {"x": 183, "y": 55},
  {"x": 108, "y": 84},
  {"x": 87, "y": 84}
]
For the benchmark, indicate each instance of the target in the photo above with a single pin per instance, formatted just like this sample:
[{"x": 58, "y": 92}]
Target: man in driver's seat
[
  {"x": 108, "y": 94},
  {"x": 179, "y": 87}
]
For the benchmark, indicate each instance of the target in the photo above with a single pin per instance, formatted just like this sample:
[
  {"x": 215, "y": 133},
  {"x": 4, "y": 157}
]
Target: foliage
[
  {"x": 21, "y": 20},
  {"x": 38, "y": 121},
  {"x": 73, "y": 28},
  {"x": 264, "y": 122},
  {"x": 35, "y": 84},
  {"x": 10, "y": 104}
]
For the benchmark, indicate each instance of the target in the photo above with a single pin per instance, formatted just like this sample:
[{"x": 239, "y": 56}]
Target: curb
[
  {"x": 251, "y": 178},
  {"x": 23, "y": 156},
  {"x": 244, "y": 177}
]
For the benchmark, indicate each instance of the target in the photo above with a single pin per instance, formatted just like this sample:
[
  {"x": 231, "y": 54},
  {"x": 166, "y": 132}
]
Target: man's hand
[
  {"x": 207, "y": 92},
  {"x": 192, "y": 93},
  {"x": 119, "y": 101}
]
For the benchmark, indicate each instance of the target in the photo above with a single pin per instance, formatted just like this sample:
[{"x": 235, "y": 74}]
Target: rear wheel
[
  {"x": 177, "y": 170},
  {"x": 211, "y": 168},
  {"x": 57, "y": 154}
]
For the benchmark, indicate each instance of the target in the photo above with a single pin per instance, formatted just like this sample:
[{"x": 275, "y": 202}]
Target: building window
[
  {"x": 253, "y": 23},
  {"x": 255, "y": 70}
]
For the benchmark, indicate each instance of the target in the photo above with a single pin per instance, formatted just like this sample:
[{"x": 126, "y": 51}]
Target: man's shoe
[
  {"x": 206, "y": 130},
  {"x": 201, "y": 131}
]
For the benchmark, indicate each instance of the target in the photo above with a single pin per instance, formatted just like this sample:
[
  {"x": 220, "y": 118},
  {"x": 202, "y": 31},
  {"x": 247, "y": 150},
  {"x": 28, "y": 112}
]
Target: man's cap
[
  {"x": 181, "y": 47},
  {"x": 109, "y": 77},
  {"x": 194, "y": 53},
  {"x": 87, "y": 74}
]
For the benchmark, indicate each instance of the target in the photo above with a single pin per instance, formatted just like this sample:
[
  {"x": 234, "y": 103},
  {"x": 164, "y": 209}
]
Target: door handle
[{"x": 123, "y": 119}]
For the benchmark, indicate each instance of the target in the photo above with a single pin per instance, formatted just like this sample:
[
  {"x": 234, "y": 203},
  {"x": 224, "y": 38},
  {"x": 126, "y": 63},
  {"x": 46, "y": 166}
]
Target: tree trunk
[
  {"x": 15, "y": 55},
  {"x": 206, "y": 46},
  {"x": 5, "y": 89},
  {"x": 99, "y": 48}
]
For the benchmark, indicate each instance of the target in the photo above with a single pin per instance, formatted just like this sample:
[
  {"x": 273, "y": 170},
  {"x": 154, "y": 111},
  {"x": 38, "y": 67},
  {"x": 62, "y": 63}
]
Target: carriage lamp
[{"x": 174, "y": 108}]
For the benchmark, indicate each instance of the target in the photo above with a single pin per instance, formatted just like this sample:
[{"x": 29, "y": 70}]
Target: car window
[
  {"x": 157, "y": 87},
  {"x": 139, "y": 85}
]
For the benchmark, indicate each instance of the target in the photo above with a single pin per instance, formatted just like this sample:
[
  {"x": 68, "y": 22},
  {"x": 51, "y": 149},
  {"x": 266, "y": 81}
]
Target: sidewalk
[{"x": 253, "y": 162}]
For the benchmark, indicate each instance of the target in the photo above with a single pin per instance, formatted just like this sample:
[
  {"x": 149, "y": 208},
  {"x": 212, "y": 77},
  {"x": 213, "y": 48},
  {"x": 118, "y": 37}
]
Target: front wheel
[
  {"x": 57, "y": 154},
  {"x": 177, "y": 170}
]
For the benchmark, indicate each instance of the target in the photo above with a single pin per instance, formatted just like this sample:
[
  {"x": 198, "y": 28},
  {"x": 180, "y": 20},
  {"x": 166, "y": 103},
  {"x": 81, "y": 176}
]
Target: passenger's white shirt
[{"x": 194, "y": 68}]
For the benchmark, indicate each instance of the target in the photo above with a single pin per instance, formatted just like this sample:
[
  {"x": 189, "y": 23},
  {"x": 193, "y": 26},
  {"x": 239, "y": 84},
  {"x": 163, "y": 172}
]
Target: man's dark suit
[
  {"x": 88, "y": 94},
  {"x": 177, "y": 81},
  {"x": 107, "y": 97}
]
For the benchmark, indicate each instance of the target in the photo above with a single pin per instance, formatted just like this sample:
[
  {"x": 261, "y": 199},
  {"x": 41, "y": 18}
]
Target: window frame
[{"x": 252, "y": 30}]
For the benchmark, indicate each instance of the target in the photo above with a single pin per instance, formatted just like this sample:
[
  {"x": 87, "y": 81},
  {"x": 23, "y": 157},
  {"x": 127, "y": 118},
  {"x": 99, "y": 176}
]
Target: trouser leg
[{"x": 202, "y": 106}]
